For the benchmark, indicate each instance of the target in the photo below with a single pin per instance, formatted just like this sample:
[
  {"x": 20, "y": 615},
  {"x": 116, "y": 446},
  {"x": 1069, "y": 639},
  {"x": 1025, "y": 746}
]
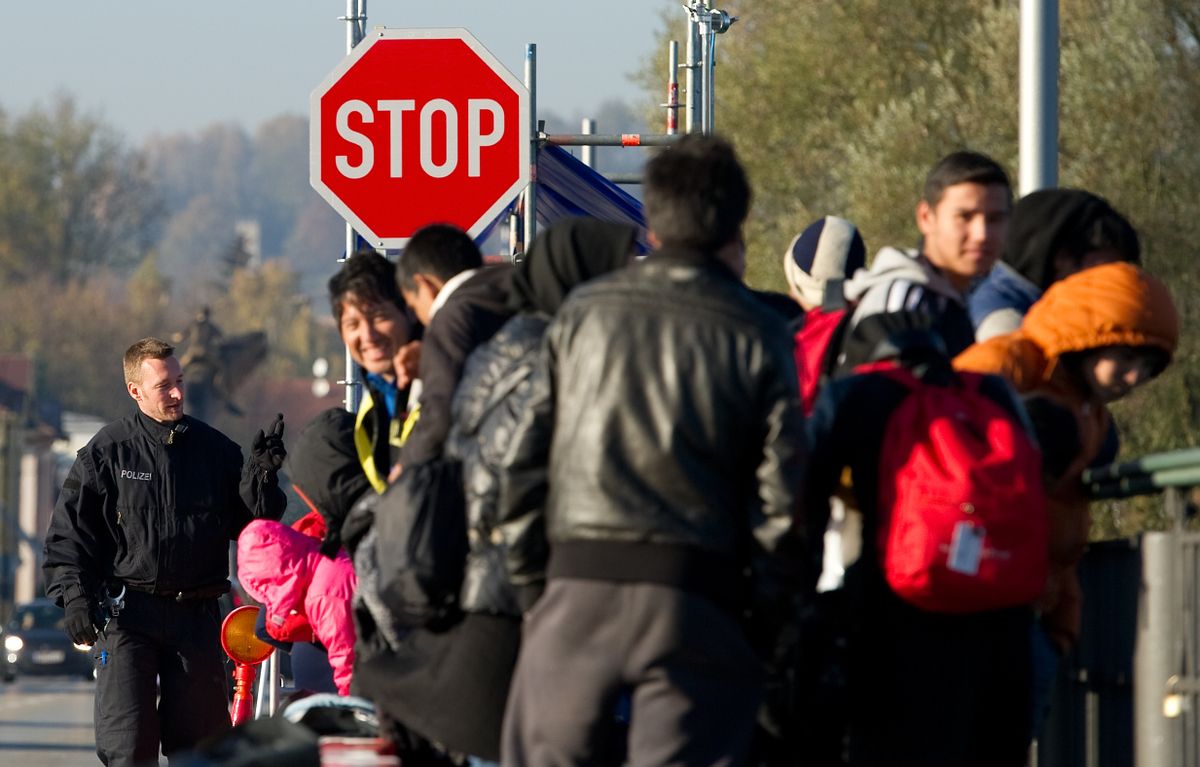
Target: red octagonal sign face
[{"x": 418, "y": 126}]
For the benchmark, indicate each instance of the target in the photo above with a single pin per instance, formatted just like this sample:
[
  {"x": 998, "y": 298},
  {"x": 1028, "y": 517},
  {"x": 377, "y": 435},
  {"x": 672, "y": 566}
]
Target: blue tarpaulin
[{"x": 567, "y": 187}]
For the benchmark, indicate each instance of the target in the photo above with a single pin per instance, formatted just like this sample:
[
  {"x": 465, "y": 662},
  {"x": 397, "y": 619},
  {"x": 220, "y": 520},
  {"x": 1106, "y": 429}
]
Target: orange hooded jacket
[{"x": 1110, "y": 305}]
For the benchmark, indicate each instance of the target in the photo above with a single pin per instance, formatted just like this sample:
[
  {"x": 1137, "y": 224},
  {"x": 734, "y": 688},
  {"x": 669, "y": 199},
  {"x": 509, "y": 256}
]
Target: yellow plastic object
[{"x": 237, "y": 637}]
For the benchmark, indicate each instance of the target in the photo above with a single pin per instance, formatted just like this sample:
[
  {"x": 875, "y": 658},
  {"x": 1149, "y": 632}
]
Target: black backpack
[{"x": 421, "y": 543}]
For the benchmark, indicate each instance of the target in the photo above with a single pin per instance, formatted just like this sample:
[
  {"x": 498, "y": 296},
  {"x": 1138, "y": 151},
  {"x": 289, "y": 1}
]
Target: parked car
[{"x": 36, "y": 642}]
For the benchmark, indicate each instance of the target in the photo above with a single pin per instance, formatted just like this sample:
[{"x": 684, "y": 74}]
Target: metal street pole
[
  {"x": 1039, "y": 95},
  {"x": 356, "y": 30},
  {"x": 707, "y": 50},
  {"x": 534, "y": 139}
]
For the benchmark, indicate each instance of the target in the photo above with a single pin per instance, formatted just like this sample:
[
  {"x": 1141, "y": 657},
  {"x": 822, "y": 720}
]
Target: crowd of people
[{"x": 607, "y": 507}]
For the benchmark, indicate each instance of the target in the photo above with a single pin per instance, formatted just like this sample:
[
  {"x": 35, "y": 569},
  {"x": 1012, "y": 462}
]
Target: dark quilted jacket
[{"x": 494, "y": 391}]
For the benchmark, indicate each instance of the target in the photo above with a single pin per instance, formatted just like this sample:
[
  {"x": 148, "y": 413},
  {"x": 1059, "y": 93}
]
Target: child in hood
[
  {"x": 1090, "y": 340},
  {"x": 301, "y": 574},
  {"x": 1086, "y": 343},
  {"x": 284, "y": 570}
]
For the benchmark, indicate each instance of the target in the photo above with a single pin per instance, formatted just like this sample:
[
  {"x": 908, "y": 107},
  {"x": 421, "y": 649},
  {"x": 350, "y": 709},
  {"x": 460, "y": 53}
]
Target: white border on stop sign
[{"x": 392, "y": 33}]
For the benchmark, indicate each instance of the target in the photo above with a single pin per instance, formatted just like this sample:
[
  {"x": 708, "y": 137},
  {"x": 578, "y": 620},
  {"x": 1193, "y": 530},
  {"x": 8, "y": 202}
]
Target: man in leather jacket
[
  {"x": 147, "y": 511},
  {"x": 653, "y": 483}
]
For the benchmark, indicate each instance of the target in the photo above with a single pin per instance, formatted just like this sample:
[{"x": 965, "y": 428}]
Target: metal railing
[{"x": 1129, "y": 694}]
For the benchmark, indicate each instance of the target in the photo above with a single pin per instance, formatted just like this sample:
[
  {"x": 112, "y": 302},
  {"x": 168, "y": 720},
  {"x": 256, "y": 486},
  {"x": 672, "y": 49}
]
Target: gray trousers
[{"x": 695, "y": 682}]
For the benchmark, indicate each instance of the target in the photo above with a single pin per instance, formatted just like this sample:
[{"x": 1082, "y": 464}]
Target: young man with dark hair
[
  {"x": 652, "y": 482},
  {"x": 380, "y": 337},
  {"x": 963, "y": 219},
  {"x": 462, "y": 304},
  {"x": 142, "y": 528}
]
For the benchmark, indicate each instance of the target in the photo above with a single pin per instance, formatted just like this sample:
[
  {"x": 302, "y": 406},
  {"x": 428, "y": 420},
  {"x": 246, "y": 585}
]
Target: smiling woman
[{"x": 35, "y": 642}]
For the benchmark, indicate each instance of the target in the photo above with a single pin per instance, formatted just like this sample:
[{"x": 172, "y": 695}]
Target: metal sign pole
[
  {"x": 531, "y": 190},
  {"x": 356, "y": 27},
  {"x": 704, "y": 24}
]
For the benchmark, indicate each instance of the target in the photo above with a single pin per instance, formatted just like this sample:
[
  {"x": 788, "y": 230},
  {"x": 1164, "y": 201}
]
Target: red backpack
[
  {"x": 962, "y": 518},
  {"x": 818, "y": 342}
]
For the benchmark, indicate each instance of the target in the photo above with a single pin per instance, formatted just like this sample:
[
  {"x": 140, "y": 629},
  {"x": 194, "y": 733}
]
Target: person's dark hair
[
  {"x": 1049, "y": 223},
  {"x": 149, "y": 348},
  {"x": 696, "y": 193},
  {"x": 963, "y": 168},
  {"x": 369, "y": 276},
  {"x": 438, "y": 249},
  {"x": 1110, "y": 230}
]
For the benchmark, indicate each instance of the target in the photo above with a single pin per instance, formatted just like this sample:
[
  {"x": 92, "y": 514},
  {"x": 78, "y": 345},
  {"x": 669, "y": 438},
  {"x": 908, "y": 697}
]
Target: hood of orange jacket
[{"x": 1110, "y": 305}]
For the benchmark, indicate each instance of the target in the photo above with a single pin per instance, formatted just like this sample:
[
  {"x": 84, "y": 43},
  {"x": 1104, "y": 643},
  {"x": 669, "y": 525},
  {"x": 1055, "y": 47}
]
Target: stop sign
[{"x": 418, "y": 126}]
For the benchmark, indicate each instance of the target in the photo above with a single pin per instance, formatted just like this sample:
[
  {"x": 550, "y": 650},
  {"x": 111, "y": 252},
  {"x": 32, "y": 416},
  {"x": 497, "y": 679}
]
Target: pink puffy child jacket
[{"x": 284, "y": 570}]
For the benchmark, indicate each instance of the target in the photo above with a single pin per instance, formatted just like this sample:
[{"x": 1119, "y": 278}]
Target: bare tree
[{"x": 72, "y": 198}]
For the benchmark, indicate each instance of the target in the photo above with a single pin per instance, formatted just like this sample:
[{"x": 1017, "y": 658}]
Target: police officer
[{"x": 148, "y": 509}]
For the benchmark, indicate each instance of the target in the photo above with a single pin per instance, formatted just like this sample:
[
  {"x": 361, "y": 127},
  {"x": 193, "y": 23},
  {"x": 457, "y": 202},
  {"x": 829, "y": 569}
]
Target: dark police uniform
[{"x": 152, "y": 507}]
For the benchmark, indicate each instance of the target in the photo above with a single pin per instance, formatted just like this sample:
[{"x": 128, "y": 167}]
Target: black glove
[
  {"x": 79, "y": 621},
  {"x": 267, "y": 451}
]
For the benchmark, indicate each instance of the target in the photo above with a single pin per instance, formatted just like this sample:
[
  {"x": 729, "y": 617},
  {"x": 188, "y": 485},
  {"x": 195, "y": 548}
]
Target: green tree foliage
[
  {"x": 94, "y": 255},
  {"x": 148, "y": 293},
  {"x": 76, "y": 331},
  {"x": 268, "y": 298},
  {"x": 72, "y": 198},
  {"x": 841, "y": 108}
]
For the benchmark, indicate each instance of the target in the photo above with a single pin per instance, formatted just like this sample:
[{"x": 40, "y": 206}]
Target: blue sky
[{"x": 162, "y": 66}]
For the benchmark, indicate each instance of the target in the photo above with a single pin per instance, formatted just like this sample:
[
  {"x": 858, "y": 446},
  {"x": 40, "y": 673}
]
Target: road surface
[{"x": 47, "y": 722}]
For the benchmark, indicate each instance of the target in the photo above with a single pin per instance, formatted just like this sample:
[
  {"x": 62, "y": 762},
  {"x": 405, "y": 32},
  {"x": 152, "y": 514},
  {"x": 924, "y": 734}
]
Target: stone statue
[{"x": 215, "y": 366}]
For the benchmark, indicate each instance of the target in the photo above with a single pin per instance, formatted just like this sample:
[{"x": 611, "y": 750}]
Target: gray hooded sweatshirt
[{"x": 902, "y": 289}]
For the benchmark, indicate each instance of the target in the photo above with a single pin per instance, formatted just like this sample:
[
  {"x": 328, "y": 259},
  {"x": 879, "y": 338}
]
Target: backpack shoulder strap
[
  {"x": 833, "y": 348},
  {"x": 834, "y": 297}
]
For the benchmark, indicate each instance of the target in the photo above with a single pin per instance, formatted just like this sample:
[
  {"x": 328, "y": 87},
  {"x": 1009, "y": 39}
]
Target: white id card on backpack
[{"x": 966, "y": 549}]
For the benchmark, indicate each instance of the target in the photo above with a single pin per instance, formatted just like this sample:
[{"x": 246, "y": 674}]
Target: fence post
[{"x": 1154, "y": 660}]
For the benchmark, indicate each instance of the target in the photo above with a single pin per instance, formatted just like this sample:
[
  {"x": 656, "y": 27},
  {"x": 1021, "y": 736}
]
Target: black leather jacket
[{"x": 665, "y": 407}]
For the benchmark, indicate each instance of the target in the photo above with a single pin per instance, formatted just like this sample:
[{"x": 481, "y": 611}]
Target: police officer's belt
[{"x": 205, "y": 592}]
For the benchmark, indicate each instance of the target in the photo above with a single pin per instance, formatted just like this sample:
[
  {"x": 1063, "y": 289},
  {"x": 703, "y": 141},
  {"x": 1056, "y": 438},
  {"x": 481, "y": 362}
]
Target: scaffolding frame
[{"x": 704, "y": 24}]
